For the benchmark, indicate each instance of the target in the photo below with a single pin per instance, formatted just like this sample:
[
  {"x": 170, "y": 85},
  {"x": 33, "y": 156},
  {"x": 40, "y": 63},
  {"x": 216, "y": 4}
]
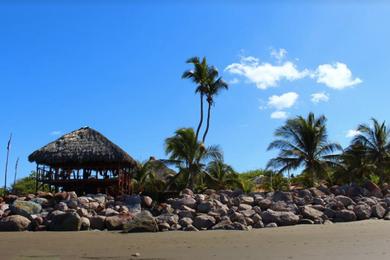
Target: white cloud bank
[
  {"x": 319, "y": 97},
  {"x": 283, "y": 101},
  {"x": 336, "y": 76},
  {"x": 265, "y": 75},
  {"x": 352, "y": 133},
  {"x": 279, "y": 115}
]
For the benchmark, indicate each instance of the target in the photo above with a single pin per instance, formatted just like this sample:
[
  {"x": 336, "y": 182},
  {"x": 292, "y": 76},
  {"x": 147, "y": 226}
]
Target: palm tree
[
  {"x": 214, "y": 86},
  {"x": 199, "y": 75},
  {"x": 221, "y": 176},
  {"x": 303, "y": 143},
  {"x": 189, "y": 155},
  {"x": 147, "y": 177},
  {"x": 376, "y": 143}
]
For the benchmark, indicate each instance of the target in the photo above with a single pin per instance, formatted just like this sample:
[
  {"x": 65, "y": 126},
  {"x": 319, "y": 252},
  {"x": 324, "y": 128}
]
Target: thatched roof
[{"x": 85, "y": 147}]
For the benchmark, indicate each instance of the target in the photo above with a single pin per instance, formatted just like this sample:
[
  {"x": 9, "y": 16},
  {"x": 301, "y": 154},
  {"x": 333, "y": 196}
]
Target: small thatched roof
[{"x": 85, "y": 147}]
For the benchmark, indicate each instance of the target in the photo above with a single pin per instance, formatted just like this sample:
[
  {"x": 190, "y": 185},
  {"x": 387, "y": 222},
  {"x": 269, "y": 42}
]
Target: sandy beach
[{"x": 357, "y": 240}]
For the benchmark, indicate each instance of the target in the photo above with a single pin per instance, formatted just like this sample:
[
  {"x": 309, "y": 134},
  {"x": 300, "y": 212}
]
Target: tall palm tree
[
  {"x": 214, "y": 86},
  {"x": 189, "y": 155},
  {"x": 199, "y": 75},
  {"x": 376, "y": 142},
  {"x": 303, "y": 143}
]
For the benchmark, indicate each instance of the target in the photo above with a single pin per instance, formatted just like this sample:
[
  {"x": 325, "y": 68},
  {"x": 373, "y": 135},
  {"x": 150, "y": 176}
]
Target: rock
[
  {"x": 378, "y": 211},
  {"x": 46, "y": 195},
  {"x": 248, "y": 212},
  {"x": 271, "y": 225},
  {"x": 243, "y": 207},
  {"x": 240, "y": 226},
  {"x": 311, "y": 213},
  {"x": 346, "y": 201},
  {"x": 279, "y": 217},
  {"x": 185, "y": 222},
  {"x": 264, "y": 204},
  {"x": 387, "y": 216},
  {"x": 204, "y": 221},
  {"x": 65, "y": 222},
  {"x": 259, "y": 224},
  {"x": 187, "y": 213},
  {"x": 83, "y": 212},
  {"x": 362, "y": 211},
  {"x": 147, "y": 201},
  {"x": 306, "y": 195},
  {"x": 61, "y": 206},
  {"x": 185, "y": 201},
  {"x": 98, "y": 222},
  {"x": 142, "y": 222},
  {"x": 109, "y": 212},
  {"x": 344, "y": 216},
  {"x": 238, "y": 217},
  {"x": 14, "y": 223},
  {"x": 9, "y": 199},
  {"x": 59, "y": 196},
  {"x": 85, "y": 223},
  {"x": 306, "y": 221},
  {"x": 117, "y": 222},
  {"x": 40, "y": 201},
  {"x": 164, "y": 226},
  {"x": 246, "y": 200},
  {"x": 316, "y": 192},
  {"x": 205, "y": 207},
  {"x": 190, "y": 228},
  {"x": 171, "y": 219},
  {"x": 282, "y": 196},
  {"x": 224, "y": 224},
  {"x": 133, "y": 203},
  {"x": 25, "y": 208}
]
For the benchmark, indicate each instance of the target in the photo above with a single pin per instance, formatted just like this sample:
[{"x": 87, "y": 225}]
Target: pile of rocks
[{"x": 230, "y": 210}]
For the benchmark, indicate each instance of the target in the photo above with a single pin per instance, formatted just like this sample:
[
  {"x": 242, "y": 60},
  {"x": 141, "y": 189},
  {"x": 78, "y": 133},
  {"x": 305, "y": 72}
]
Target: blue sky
[{"x": 117, "y": 67}]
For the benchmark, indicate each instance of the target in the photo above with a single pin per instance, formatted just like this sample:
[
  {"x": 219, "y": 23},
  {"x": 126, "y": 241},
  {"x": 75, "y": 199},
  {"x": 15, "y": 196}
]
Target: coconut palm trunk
[
  {"x": 208, "y": 122},
  {"x": 201, "y": 116}
]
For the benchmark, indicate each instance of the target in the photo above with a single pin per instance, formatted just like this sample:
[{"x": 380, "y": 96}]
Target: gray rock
[
  {"x": 282, "y": 196},
  {"x": 238, "y": 217},
  {"x": 205, "y": 206},
  {"x": 184, "y": 201},
  {"x": 25, "y": 208},
  {"x": 246, "y": 200},
  {"x": 65, "y": 222},
  {"x": 362, "y": 211},
  {"x": 185, "y": 222},
  {"x": 224, "y": 224},
  {"x": 311, "y": 213},
  {"x": 190, "y": 228},
  {"x": 279, "y": 217},
  {"x": 306, "y": 221},
  {"x": 142, "y": 222},
  {"x": 164, "y": 226},
  {"x": 147, "y": 201},
  {"x": 264, "y": 204},
  {"x": 271, "y": 225},
  {"x": 98, "y": 222},
  {"x": 248, "y": 212},
  {"x": 171, "y": 219},
  {"x": 258, "y": 224},
  {"x": 346, "y": 201},
  {"x": 344, "y": 216},
  {"x": 204, "y": 221},
  {"x": 116, "y": 222},
  {"x": 387, "y": 216},
  {"x": 240, "y": 226},
  {"x": 14, "y": 223},
  {"x": 378, "y": 211}
]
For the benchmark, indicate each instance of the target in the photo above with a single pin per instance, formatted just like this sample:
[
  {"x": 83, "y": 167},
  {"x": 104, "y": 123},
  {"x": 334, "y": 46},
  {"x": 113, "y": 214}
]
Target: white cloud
[
  {"x": 337, "y": 76},
  {"x": 283, "y": 101},
  {"x": 352, "y": 133},
  {"x": 57, "y": 132},
  {"x": 265, "y": 75},
  {"x": 279, "y": 115},
  {"x": 278, "y": 54},
  {"x": 319, "y": 97}
]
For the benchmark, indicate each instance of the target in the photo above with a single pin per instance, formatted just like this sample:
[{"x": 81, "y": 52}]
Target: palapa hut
[{"x": 84, "y": 161}]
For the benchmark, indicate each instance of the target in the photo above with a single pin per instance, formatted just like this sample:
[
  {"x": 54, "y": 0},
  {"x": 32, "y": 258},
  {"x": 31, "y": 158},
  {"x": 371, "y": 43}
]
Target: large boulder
[
  {"x": 362, "y": 211},
  {"x": 186, "y": 200},
  {"x": 116, "y": 222},
  {"x": 142, "y": 222},
  {"x": 346, "y": 201},
  {"x": 311, "y": 213},
  {"x": 205, "y": 206},
  {"x": 171, "y": 219},
  {"x": 378, "y": 211},
  {"x": 282, "y": 196},
  {"x": 98, "y": 222},
  {"x": 25, "y": 208},
  {"x": 69, "y": 221},
  {"x": 344, "y": 216},
  {"x": 14, "y": 223},
  {"x": 281, "y": 218},
  {"x": 204, "y": 221},
  {"x": 373, "y": 189},
  {"x": 224, "y": 224}
]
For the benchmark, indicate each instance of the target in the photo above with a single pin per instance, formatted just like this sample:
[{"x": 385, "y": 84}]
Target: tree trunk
[
  {"x": 201, "y": 117},
  {"x": 208, "y": 122}
]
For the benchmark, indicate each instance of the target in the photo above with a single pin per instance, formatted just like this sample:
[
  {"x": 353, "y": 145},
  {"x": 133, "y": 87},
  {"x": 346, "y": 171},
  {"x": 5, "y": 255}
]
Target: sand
[{"x": 357, "y": 240}]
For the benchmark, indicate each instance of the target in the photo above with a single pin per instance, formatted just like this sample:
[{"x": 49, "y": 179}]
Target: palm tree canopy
[
  {"x": 303, "y": 142},
  {"x": 198, "y": 74}
]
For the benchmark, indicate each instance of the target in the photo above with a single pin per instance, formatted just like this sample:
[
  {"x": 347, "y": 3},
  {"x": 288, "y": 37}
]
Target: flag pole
[
  {"x": 16, "y": 171},
  {"x": 6, "y": 164}
]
